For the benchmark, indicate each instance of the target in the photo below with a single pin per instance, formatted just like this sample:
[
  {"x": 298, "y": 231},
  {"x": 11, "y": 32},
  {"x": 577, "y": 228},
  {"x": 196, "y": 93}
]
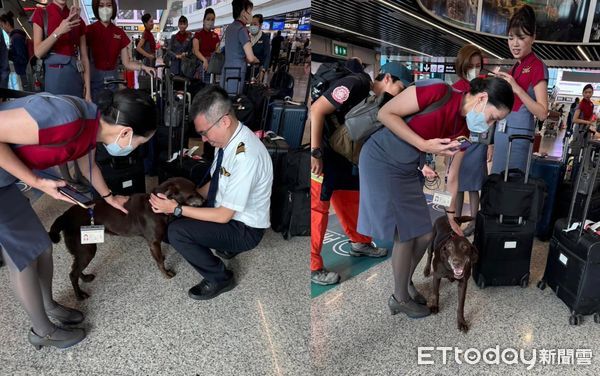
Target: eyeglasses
[{"x": 205, "y": 133}]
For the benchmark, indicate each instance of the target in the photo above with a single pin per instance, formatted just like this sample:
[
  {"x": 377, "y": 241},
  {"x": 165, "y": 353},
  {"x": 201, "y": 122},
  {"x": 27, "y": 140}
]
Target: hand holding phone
[
  {"x": 80, "y": 199},
  {"x": 464, "y": 143}
]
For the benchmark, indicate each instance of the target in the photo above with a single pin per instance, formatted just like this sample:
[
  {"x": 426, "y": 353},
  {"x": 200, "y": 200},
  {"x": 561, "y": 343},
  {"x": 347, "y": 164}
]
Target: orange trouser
[{"x": 345, "y": 204}]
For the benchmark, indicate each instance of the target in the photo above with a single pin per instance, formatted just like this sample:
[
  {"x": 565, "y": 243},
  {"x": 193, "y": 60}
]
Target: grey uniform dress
[
  {"x": 22, "y": 235},
  {"x": 177, "y": 47},
  {"x": 520, "y": 121},
  {"x": 234, "y": 69},
  {"x": 391, "y": 186}
]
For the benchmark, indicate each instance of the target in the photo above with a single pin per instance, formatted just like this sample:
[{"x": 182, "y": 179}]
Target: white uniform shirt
[{"x": 246, "y": 179}]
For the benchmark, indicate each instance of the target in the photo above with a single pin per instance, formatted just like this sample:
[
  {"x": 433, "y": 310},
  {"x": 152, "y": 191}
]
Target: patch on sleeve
[
  {"x": 340, "y": 94},
  {"x": 224, "y": 172},
  {"x": 241, "y": 148}
]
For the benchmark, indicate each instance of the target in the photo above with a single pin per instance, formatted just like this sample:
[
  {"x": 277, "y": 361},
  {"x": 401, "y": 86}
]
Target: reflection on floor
[
  {"x": 353, "y": 333},
  {"x": 140, "y": 323}
]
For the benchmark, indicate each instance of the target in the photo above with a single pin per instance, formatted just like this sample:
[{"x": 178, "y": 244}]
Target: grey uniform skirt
[
  {"x": 473, "y": 169},
  {"x": 391, "y": 189},
  {"x": 22, "y": 235}
]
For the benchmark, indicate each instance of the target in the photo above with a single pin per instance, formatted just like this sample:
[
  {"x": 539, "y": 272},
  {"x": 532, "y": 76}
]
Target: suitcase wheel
[
  {"x": 576, "y": 319},
  {"x": 481, "y": 281},
  {"x": 524, "y": 281},
  {"x": 597, "y": 317},
  {"x": 541, "y": 285}
]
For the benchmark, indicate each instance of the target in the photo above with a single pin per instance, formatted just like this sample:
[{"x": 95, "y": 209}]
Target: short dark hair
[
  {"x": 96, "y": 5},
  {"x": 183, "y": 19},
  {"x": 212, "y": 102},
  {"x": 240, "y": 5},
  {"x": 463, "y": 59},
  {"x": 500, "y": 93},
  {"x": 260, "y": 18},
  {"x": 523, "y": 19},
  {"x": 135, "y": 108},
  {"x": 588, "y": 86},
  {"x": 8, "y": 18},
  {"x": 146, "y": 17},
  {"x": 209, "y": 11}
]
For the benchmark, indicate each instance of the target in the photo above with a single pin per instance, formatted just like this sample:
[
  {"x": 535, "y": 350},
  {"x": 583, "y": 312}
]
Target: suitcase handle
[
  {"x": 511, "y": 138},
  {"x": 591, "y": 151}
]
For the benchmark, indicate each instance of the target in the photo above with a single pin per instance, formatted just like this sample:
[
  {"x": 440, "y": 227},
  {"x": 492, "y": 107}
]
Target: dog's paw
[
  {"x": 82, "y": 295},
  {"x": 462, "y": 326},
  {"x": 434, "y": 309},
  {"x": 87, "y": 277}
]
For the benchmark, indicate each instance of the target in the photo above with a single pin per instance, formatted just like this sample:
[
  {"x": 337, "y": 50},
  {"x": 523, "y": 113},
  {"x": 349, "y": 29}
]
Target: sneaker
[
  {"x": 366, "y": 249},
  {"x": 324, "y": 277}
]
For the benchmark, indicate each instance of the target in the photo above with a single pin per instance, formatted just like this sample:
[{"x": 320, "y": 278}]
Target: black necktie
[{"x": 214, "y": 181}]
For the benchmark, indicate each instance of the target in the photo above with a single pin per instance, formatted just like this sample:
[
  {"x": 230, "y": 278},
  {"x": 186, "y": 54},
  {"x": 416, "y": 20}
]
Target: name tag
[
  {"x": 502, "y": 125},
  {"x": 92, "y": 234},
  {"x": 442, "y": 198}
]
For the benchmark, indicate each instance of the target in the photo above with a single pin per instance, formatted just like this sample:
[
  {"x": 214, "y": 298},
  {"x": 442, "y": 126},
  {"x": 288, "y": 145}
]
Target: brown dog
[
  {"x": 141, "y": 221},
  {"x": 454, "y": 256}
]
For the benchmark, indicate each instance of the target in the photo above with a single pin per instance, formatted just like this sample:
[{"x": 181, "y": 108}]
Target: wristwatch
[
  {"x": 177, "y": 211},
  {"x": 316, "y": 153}
]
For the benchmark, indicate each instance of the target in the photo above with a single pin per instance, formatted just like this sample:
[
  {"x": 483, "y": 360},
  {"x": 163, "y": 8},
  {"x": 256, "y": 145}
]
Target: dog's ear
[{"x": 463, "y": 219}]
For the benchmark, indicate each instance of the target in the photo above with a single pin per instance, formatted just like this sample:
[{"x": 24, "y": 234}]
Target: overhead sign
[
  {"x": 426, "y": 67},
  {"x": 339, "y": 49},
  {"x": 449, "y": 67}
]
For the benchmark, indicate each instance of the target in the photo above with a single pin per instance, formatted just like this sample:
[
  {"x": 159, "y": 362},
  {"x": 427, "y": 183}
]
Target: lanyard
[{"x": 91, "y": 208}]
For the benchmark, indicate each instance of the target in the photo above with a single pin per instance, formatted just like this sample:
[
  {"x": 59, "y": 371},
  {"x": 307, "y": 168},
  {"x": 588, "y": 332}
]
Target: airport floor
[{"x": 353, "y": 333}]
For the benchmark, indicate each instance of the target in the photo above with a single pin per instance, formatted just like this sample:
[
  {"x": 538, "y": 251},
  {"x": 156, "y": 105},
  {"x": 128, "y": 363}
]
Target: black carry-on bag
[
  {"x": 504, "y": 242},
  {"x": 573, "y": 266}
]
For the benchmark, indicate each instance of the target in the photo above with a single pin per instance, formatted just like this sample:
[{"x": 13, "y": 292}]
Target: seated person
[{"x": 236, "y": 211}]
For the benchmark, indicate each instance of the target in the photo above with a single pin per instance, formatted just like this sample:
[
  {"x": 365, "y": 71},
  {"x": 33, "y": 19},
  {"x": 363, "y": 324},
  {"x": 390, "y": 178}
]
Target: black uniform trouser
[{"x": 194, "y": 239}]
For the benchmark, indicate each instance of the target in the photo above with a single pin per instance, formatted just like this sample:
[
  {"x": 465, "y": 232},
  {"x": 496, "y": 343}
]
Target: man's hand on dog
[
  {"x": 118, "y": 202},
  {"x": 161, "y": 204},
  {"x": 455, "y": 227}
]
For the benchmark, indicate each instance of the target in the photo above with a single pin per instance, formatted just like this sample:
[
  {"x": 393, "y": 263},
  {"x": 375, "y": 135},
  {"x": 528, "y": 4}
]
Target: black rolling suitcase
[
  {"x": 504, "y": 242},
  {"x": 176, "y": 121},
  {"x": 123, "y": 175},
  {"x": 552, "y": 171},
  {"x": 288, "y": 120},
  {"x": 573, "y": 266}
]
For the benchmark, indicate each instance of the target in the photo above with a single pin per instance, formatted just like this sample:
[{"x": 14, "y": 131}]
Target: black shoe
[
  {"x": 206, "y": 290},
  {"x": 224, "y": 254},
  {"x": 410, "y": 308}
]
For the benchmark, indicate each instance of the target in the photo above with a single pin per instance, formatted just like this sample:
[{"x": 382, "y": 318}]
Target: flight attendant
[
  {"x": 36, "y": 133},
  {"x": 205, "y": 43},
  {"x": 63, "y": 48},
  {"x": 473, "y": 169},
  {"x": 392, "y": 203},
  {"x": 147, "y": 48},
  {"x": 107, "y": 42},
  {"x": 585, "y": 110},
  {"x": 529, "y": 80}
]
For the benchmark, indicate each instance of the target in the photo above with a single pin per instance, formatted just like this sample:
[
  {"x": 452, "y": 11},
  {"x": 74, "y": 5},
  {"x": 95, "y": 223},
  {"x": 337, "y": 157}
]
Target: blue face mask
[
  {"x": 254, "y": 29},
  {"x": 476, "y": 120},
  {"x": 116, "y": 150}
]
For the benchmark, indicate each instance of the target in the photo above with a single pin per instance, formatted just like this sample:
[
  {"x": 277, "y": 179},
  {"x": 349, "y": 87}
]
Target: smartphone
[
  {"x": 80, "y": 199},
  {"x": 464, "y": 142}
]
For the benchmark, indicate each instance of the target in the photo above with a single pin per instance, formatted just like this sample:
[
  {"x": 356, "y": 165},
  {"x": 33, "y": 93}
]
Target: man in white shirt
[{"x": 236, "y": 211}]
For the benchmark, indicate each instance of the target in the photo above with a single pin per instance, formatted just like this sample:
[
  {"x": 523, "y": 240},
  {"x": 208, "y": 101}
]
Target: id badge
[
  {"x": 442, "y": 198},
  {"x": 502, "y": 126},
  {"x": 92, "y": 234},
  {"x": 79, "y": 66}
]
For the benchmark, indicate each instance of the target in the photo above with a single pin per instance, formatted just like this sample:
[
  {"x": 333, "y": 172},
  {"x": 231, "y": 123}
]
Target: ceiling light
[
  {"x": 371, "y": 38},
  {"x": 583, "y": 53},
  {"x": 438, "y": 27}
]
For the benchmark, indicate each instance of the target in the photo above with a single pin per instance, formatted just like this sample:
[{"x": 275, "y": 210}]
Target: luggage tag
[
  {"x": 502, "y": 126},
  {"x": 92, "y": 234},
  {"x": 442, "y": 198}
]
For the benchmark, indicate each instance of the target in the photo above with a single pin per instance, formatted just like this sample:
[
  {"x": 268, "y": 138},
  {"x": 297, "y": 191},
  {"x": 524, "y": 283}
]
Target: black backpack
[{"x": 327, "y": 74}]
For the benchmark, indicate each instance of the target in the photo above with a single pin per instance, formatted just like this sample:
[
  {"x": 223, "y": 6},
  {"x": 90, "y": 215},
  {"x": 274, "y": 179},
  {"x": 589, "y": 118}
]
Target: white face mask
[
  {"x": 209, "y": 25},
  {"x": 105, "y": 13},
  {"x": 473, "y": 73}
]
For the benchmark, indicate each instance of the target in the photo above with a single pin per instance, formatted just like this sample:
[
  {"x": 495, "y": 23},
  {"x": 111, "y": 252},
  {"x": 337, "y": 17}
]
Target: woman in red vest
[{"x": 36, "y": 133}]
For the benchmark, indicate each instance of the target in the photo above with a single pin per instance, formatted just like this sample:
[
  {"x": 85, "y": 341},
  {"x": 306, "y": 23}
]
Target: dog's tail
[{"x": 56, "y": 228}]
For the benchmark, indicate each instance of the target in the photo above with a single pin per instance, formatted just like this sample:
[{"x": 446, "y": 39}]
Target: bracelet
[
  {"x": 451, "y": 212},
  {"x": 55, "y": 35},
  {"x": 108, "y": 194}
]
